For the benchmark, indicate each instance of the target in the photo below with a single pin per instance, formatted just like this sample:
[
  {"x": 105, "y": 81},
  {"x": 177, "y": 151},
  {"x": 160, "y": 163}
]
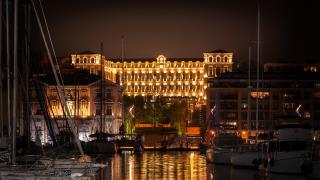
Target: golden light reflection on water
[{"x": 156, "y": 165}]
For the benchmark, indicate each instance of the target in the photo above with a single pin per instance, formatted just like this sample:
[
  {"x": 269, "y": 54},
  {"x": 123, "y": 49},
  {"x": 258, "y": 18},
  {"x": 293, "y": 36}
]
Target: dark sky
[{"x": 176, "y": 28}]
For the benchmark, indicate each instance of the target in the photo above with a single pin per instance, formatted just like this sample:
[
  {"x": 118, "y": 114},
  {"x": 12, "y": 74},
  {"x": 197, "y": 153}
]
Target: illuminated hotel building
[
  {"x": 168, "y": 77},
  {"x": 85, "y": 104}
]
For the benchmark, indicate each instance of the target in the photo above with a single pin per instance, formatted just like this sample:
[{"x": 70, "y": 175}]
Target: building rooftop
[
  {"x": 74, "y": 77},
  {"x": 271, "y": 75},
  {"x": 219, "y": 51},
  {"x": 87, "y": 52},
  {"x": 154, "y": 59}
]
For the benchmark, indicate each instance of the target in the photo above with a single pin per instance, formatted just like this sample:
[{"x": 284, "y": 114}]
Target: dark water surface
[{"x": 175, "y": 165}]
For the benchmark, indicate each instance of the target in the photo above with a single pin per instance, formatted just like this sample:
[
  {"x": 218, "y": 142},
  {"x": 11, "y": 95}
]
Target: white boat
[
  {"x": 312, "y": 167},
  {"x": 290, "y": 150},
  {"x": 222, "y": 148},
  {"x": 81, "y": 165},
  {"x": 247, "y": 155}
]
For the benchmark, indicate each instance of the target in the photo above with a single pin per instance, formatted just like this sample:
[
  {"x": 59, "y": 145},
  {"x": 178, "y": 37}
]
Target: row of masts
[
  {"x": 11, "y": 72},
  {"x": 14, "y": 72}
]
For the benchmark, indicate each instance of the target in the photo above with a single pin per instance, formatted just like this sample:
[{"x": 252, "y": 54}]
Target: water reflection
[
  {"x": 224, "y": 172},
  {"x": 155, "y": 165},
  {"x": 175, "y": 165}
]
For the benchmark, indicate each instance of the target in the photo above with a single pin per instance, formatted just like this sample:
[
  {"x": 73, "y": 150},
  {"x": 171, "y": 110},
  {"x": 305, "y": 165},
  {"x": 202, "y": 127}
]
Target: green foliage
[{"x": 157, "y": 110}]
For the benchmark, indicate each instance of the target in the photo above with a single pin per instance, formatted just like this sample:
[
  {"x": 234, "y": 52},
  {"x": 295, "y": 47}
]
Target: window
[
  {"x": 225, "y": 59},
  {"x": 92, "y": 60},
  {"x": 108, "y": 94},
  {"x": 109, "y": 110}
]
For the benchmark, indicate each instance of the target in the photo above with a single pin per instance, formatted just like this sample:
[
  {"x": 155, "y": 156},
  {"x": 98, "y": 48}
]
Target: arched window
[
  {"x": 210, "y": 59},
  {"x": 218, "y": 59},
  {"x": 85, "y": 60},
  {"x": 225, "y": 59},
  {"x": 92, "y": 60}
]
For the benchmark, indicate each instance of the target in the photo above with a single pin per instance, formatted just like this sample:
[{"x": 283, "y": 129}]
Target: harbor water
[{"x": 176, "y": 165}]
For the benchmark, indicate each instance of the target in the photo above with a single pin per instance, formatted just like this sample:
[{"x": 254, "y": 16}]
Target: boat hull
[
  {"x": 245, "y": 159},
  {"x": 287, "y": 162},
  {"x": 219, "y": 156}
]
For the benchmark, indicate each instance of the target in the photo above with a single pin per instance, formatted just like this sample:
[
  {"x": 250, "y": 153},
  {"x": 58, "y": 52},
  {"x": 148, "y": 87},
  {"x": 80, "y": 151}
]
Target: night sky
[{"x": 183, "y": 28}]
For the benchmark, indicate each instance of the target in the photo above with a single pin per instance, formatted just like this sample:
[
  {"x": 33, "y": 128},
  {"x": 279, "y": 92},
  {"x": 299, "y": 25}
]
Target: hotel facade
[{"x": 160, "y": 76}]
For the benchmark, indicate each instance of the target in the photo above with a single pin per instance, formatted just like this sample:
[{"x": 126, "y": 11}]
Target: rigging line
[
  {"x": 76, "y": 138},
  {"x": 51, "y": 43},
  {"x": 24, "y": 91}
]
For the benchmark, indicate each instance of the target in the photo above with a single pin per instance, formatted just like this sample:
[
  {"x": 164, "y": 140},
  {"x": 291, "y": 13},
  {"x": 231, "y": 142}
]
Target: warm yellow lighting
[
  {"x": 169, "y": 76},
  {"x": 260, "y": 94},
  {"x": 212, "y": 132}
]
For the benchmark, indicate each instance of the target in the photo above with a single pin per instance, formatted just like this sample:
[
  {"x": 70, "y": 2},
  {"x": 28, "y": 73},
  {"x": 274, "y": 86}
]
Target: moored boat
[
  {"x": 288, "y": 152},
  {"x": 222, "y": 148}
]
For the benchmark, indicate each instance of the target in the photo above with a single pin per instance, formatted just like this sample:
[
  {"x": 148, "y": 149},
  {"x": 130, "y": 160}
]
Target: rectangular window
[{"x": 109, "y": 110}]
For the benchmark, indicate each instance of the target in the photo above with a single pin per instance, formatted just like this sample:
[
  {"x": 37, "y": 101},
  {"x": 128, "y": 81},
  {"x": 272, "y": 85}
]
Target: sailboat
[
  {"x": 101, "y": 143},
  {"x": 251, "y": 155},
  {"x": 34, "y": 170}
]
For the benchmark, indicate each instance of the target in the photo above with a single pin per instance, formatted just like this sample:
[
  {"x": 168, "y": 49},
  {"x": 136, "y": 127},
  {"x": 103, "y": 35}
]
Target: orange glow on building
[{"x": 160, "y": 76}]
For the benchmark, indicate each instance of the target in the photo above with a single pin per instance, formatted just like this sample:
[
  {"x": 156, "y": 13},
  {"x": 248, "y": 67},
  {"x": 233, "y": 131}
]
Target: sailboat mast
[
  {"x": 59, "y": 85},
  {"x": 1, "y": 95},
  {"x": 249, "y": 92},
  {"x": 15, "y": 82},
  {"x": 122, "y": 79},
  {"x": 258, "y": 66},
  {"x": 101, "y": 88},
  {"x": 8, "y": 67}
]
